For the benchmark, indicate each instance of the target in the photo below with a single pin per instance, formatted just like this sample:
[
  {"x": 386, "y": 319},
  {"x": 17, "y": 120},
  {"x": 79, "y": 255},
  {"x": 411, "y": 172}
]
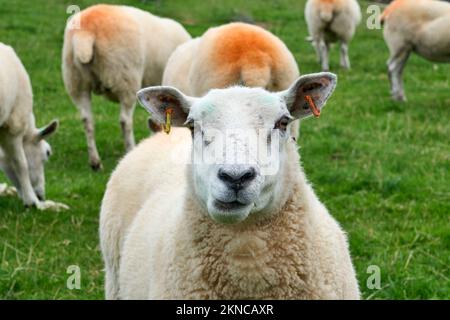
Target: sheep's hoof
[
  {"x": 97, "y": 166},
  {"x": 52, "y": 206},
  {"x": 399, "y": 97},
  {"x": 6, "y": 190}
]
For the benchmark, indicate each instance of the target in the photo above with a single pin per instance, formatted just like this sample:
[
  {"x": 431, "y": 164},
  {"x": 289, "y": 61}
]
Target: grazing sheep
[
  {"x": 235, "y": 53},
  {"x": 329, "y": 21},
  {"x": 115, "y": 51},
  {"x": 420, "y": 26},
  {"x": 23, "y": 150},
  {"x": 223, "y": 230}
]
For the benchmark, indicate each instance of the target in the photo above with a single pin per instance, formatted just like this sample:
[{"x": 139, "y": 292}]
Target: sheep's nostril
[
  {"x": 237, "y": 180},
  {"x": 224, "y": 176},
  {"x": 249, "y": 175}
]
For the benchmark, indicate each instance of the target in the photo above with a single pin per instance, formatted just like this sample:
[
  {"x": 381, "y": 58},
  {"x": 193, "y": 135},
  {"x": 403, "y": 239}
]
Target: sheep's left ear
[
  {"x": 318, "y": 86},
  {"x": 48, "y": 130}
]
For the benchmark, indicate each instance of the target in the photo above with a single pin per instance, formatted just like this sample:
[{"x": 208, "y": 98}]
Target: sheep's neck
[
  {"x": 247, "y": 258},
  {"x": 31, "y": 130}
]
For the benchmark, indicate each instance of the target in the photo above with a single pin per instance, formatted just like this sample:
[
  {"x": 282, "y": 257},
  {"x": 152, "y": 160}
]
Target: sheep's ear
[
  {"x": 48, "y": 130},
  {"x": 316, "y": 87},
  {"x": 158, "y": 100}
]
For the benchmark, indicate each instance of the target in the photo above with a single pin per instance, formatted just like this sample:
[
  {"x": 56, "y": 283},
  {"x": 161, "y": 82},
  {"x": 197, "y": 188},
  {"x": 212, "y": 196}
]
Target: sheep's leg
[
  {"x": 127, "y": 105},
  {"x": 111, "y": 277},
  {"x": 6, "y": 190},
  {"x": 83, "y": 103},
  {"x": 317, "y": 50},
  {"x": 18, "y": 169},
  {"x": 396, "y": 65},
  {"x": 345, "y": 61},
  {"x": 323, "y": 49}
]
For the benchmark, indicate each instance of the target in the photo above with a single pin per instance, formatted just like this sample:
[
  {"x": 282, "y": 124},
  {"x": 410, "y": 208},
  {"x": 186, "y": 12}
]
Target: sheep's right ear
[{"x": 159, "y": 100}]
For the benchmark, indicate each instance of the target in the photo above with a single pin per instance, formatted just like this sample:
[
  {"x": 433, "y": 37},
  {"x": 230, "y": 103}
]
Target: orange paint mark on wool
[
  {"x": 332, "y": 4},
  {"x": 240, "y": 44},
  {"x": 391, "y": 8},
  {"x": 104, "y": 21}
]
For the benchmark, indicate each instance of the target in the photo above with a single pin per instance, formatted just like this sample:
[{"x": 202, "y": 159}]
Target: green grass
[{"x": 382, "y": 168}]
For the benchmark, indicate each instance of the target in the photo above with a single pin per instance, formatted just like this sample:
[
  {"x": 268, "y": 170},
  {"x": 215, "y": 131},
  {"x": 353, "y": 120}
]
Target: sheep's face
[
  {"x": 240, "y": 137},
  {"x": 37, "y": 152}
]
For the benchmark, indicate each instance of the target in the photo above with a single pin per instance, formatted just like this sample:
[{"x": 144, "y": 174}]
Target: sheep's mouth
[{"x": 228, "y": 206}]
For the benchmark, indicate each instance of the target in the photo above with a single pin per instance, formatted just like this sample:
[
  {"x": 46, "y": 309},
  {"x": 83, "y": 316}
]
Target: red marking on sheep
[
  {"x": 331, "y": 4},
  {"x": 390, "y": 8},
  {"x": 105, "y": 21},
  {"x": 239, "y": 45}
]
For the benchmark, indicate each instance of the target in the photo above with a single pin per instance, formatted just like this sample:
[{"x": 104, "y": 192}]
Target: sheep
[
  {"x": 421, "y": 26},
  {"x": 23, "y": 149},
  {"x": 235, "y": 53},
  {"x": 171, "y": 228},
  {"x": 330, "y": 21},
  {"x": 114, "y": 51}
]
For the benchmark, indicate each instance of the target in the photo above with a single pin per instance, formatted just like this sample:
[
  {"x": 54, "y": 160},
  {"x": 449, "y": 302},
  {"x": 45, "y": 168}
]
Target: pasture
[{"x": 381, "y": 167}]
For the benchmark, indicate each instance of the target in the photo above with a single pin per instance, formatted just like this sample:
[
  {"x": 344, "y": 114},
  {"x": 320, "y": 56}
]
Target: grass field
[{"x": 382, "y": 168}]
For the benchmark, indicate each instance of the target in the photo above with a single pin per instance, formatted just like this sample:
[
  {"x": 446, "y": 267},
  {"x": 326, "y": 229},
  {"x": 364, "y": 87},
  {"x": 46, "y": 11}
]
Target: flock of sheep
[{"x": 209, "y": 230}]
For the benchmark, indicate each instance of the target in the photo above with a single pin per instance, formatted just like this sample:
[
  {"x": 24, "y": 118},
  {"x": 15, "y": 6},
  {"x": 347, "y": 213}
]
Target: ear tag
[
  {"x": 312, "y": 106},
  {"x": 166, "y": 126}
]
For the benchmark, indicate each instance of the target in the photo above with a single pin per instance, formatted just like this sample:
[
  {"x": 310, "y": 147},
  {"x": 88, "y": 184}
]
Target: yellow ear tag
[
  {"x": 167, "y": 125},
  {"x": 312, "y": 106}
]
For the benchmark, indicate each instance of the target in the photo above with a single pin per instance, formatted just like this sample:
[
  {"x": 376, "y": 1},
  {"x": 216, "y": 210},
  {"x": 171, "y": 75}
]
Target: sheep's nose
[{"x": 237, "y": 179}]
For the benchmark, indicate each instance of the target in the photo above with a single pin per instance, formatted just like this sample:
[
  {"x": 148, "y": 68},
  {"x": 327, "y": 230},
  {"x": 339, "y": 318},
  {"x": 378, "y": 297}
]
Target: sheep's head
[
  {"x": 239, "y": 140},
  {"x": 37, "y": 152}
]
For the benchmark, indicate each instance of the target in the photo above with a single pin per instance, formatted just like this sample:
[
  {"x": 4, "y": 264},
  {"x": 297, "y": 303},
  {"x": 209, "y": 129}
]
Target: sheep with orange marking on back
[
  {"x": 114, "y": 51},
  {"x": 420, "y": 26},
  {"x": 235, "y": 53},
  {"x": 330, "y": 21}
]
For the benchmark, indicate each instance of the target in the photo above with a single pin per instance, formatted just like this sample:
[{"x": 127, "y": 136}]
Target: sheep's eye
[
  {"x": 207, "y": 139},
  {"x": 282, "y": 124}
]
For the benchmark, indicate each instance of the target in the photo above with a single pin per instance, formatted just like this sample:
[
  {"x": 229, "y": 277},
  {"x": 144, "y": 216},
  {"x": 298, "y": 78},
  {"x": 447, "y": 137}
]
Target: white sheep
[
  {"x": 115, "y": 51},
  {"x": 23, "y": 150},
  {"x": 231, "y": 54},
  {"x": 219, "y": 229},
  {"x": 330, "y": 21},
  {"x": 420, "y": 26}
]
